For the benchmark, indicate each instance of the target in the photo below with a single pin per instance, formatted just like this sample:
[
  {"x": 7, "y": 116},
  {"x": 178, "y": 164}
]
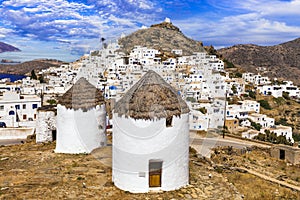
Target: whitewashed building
[
  {"x": 150, "y": 138},
  {"x": 262, "y": 119},
  {"x": 277, "y": 90},
  {"x": 19, "y": 110},
  {"x": 81, "y": 119},
  {"x": 285, "y": 131}
]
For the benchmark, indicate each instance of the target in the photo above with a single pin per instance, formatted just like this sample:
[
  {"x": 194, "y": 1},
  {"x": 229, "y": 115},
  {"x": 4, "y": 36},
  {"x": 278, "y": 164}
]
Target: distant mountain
[
  {"x": 27, "y": 67},
  {"x": 164, "y": 37},
  {"x": 6, "y": 47},
  {"x": 281, "y": 61}
]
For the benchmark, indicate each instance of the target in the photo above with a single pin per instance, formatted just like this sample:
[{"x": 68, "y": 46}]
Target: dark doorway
[
  {"x": 53, "y": 135},
  {"x": 281, "y": 154},
  {"x": 169, "y": 121},
  {"x": 155, "y": 171}
]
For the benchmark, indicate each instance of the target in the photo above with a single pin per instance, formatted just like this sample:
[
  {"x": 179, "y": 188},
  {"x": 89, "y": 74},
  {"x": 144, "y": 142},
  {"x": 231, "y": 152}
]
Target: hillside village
[
  {"x": 200, "y": 79},
  {"x": 137, "y": 107}
]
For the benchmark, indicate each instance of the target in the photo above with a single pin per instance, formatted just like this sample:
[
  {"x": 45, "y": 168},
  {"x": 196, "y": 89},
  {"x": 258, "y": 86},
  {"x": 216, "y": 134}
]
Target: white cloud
[
  {"x": 239, "y": 29},
  {"x": 263, "y": 7},
  {"x": 5, "y": 32}
]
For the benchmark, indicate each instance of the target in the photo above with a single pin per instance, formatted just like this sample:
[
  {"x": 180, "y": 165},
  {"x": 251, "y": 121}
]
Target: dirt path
[{"x": 282, "y": 183}]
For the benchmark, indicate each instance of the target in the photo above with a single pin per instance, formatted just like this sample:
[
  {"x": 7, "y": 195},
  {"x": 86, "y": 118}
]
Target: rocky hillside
[
  {"x": 27, "y": 67},
  {"x": 164, "y": 37},
  {"x": 6, "y": 47},
  {"x": 282, "y": 61}
]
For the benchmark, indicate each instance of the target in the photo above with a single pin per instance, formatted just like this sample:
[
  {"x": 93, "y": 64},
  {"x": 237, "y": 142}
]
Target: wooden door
[{"x": 155, "y": 171}]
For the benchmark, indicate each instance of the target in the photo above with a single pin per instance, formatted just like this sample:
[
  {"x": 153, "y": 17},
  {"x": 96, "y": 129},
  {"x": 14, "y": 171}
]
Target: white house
[
  {"x": 250, "y": 106},
  {"x": 281, "y": 130},
  {"x": 277, "y": 90},
  {"x": 262, "y": 119},
  {"x": 199, "y": 121},
  {"x": 81, "y": 119},
  {"x": 150, "y": 138},
  {"x": 274, "y": 90},
  {"x": 19, "y": 110}
]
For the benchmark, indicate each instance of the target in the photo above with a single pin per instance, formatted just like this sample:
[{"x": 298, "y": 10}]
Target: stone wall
[
  {"x": 45, "y": 125},
  {"x": 15, "y": 133},
  {"x": 291, "y": 154}
]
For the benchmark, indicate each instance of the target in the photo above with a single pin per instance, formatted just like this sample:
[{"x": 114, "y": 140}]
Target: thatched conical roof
[
  {"x": 151, "y": 97},
  {"x": 82, "y": 95}
]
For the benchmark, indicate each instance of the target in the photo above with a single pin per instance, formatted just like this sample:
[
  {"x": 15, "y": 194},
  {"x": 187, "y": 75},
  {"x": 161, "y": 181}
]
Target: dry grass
[
  {"x": 260, "y": 161},
  {"x": 255, "y": 188},
  {"x": 34, "y": 171}
]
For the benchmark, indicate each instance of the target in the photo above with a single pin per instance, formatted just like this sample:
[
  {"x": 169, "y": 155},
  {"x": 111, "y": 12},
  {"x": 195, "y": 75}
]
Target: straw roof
[
  {"x": 151, "y": 97},
  {"x": 82, "y": 95}
]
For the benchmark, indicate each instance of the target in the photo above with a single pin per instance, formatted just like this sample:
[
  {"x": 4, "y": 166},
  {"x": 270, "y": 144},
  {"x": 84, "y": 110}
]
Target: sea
[
  {"x": 12, "y": 77},
  {"x": 29, "y": 55}
]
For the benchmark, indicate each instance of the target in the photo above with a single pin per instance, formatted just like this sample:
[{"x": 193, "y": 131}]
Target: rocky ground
[
  {"x": 25, "y": 68},
  {"x": 229, "y": 161},
  {"x": 34, "y": 171}
]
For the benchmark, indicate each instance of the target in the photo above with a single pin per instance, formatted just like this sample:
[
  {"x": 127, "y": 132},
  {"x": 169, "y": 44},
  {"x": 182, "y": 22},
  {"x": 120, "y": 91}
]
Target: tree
[
  {"x": 260, "y": 136},
  {"x": 296, "y": 137},
  {"x": 273, "y": 138},
  {"x": 33, "y": 75},
  {"x": 41, "y": 79},
  {"x": 234, "y": 89}
]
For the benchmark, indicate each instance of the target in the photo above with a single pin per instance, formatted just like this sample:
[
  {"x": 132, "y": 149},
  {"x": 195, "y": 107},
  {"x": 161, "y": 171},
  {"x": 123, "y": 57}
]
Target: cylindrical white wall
[
  {"x": 46, "y": 122},
  {"x": 78, "y": 131},
  {"x": 136, "y": 142}
]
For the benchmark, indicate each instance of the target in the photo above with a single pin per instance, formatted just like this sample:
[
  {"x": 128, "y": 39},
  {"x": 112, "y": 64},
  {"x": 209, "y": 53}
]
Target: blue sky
[{"x": 75, "y": 27}]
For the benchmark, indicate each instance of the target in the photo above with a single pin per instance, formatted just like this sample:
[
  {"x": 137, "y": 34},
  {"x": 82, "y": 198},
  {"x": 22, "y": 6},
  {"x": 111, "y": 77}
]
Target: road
[{"x": 203, "y": 145}]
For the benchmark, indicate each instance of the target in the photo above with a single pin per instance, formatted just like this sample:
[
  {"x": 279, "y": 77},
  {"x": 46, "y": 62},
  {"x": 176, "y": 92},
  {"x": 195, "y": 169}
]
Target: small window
[
  {"x": 34, "y": 116},
  {"x": 34, "y": 106},
  {"x": 17, "y": 107},
  {"x": 24, "y": 106},
  {"x": 24, "y": 116},
  {"x": 1, "y": 107},
  {"x": 169, "y": 121},
  {"x": 11, "y": 112}
]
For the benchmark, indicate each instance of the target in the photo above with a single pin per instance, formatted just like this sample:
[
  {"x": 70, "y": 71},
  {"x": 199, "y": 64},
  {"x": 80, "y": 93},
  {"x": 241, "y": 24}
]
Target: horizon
[{"x": 67, "y": 29}]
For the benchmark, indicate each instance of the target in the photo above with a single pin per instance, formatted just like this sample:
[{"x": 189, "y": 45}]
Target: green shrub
[
  {"x": 252, "y": 94},
  {"x": 286, "y": 95},
  {"x": 51, "y": 101},
  {"x": 265, "y": 104},
  {"x": 256, "y": 126},
  {"x": 279, "y": 100},
  {"x": 203, "y": 110},
  {"x": 191, "y": 99}
]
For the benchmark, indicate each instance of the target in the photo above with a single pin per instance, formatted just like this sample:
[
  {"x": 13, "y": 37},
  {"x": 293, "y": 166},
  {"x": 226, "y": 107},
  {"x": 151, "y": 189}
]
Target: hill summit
[{"x": 163, "y": 37}]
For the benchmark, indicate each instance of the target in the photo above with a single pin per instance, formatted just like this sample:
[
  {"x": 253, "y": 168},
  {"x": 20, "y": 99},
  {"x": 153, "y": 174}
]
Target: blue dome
[{"x": 112, "y": 87}]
